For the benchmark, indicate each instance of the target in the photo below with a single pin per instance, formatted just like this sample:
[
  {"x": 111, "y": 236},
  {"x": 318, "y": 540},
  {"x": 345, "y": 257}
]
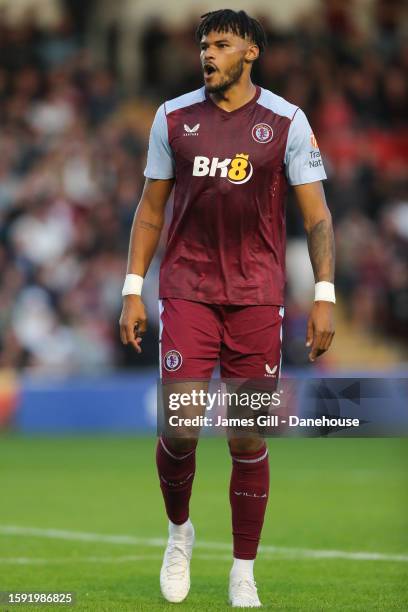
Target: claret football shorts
[{"x": 194, "y": 336}]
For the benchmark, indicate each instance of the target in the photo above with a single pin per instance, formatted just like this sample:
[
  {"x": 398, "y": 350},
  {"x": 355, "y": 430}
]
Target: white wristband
[
  {"x": 132, "y": 285},
  {"x": 324, "y": 292}
]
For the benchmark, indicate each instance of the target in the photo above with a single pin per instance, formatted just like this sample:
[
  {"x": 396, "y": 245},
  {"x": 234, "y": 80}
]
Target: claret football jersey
[{"x": 226, "y": 241}]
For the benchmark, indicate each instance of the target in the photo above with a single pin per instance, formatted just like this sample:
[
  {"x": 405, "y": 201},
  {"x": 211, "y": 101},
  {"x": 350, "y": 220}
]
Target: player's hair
[{"x": 237, "y": 22}]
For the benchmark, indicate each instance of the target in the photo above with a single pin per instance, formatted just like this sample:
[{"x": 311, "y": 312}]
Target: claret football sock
[
  {"x": 176, "y": 473},
  {"x": 249, "y": 490}
]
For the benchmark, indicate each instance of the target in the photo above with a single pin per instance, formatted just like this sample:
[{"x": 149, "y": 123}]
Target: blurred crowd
[{"x": 72, "y": 153}]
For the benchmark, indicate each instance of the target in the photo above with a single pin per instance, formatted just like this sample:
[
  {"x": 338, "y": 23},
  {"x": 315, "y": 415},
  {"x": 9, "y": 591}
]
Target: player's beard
[{"x": 230, "y": 78}]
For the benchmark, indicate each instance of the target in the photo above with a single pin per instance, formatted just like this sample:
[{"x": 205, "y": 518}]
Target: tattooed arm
[
  {"x": 147, "y": 225},
  {"x": 320, "y": 240},
  {"x": 144, "y": 238}
]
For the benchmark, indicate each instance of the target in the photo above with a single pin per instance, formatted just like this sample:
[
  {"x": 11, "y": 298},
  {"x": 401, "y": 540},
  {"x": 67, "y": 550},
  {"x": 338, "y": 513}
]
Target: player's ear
[{"x": 252, "y": 53}]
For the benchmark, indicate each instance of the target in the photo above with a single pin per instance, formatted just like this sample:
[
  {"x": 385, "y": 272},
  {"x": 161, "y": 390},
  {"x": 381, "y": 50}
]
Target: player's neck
[{"x": 236, "y": 96}]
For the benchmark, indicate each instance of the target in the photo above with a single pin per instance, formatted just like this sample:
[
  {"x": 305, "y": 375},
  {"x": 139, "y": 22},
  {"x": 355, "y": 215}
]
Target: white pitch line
[
  {"x": 52, "y": 560},
  {"x": 274, "y": 551},
  {"x": 122, "y": 559}
]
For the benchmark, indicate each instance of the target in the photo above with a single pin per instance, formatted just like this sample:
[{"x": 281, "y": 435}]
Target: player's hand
[
  {"x": 320, "y": 329},
  {"x": 133, "y": 321}
]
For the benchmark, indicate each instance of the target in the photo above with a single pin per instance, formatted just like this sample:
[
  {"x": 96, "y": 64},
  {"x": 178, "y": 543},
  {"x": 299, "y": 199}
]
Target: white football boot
[
  {"x": 175, "y": 570},
  {"x": 242, "y": 592}
]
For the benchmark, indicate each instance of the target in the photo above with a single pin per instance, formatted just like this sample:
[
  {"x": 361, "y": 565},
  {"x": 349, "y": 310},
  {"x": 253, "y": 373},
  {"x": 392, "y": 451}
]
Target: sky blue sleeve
[
  {"x": 160, "y": 160},
  {"x": 303, "y": 160}
]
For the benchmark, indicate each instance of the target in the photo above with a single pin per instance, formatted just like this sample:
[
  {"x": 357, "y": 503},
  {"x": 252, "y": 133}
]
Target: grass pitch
[{"x": 61, "y": 497}]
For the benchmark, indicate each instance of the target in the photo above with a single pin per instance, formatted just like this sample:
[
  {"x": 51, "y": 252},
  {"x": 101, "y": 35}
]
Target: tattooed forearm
[
  {"x": 148, "y": 226},
  {"x": 320, "y": 240}
]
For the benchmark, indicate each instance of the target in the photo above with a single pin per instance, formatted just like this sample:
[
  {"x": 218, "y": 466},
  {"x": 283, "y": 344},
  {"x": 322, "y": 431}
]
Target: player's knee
[
  {"x": 181, "y": 445},
  {"x": 245, "y": 445}
]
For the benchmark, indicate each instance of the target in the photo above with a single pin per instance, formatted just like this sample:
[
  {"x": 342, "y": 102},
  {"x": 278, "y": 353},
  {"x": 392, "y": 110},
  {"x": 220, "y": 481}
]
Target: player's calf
[
  {"x": 176, "y": 470},
  {"x": 249, "y": 489}
]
